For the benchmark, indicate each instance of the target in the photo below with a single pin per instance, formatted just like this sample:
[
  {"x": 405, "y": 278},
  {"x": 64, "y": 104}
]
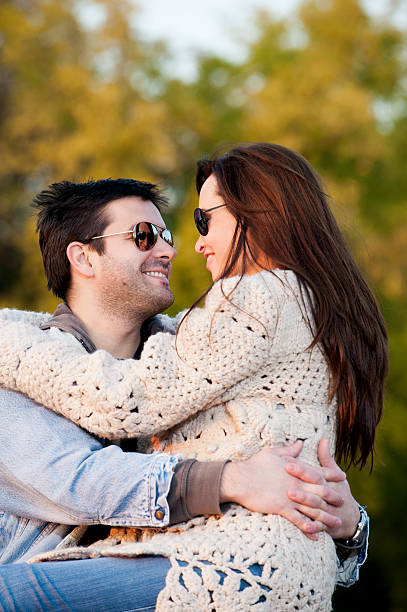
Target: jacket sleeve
[
  {"x": 216, "y": 347},
  {"x": 52, "y": 470}
]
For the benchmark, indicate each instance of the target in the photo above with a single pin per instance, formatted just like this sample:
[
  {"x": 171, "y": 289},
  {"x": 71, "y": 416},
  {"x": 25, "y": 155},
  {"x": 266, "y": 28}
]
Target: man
[{"x": 108, "y": 255}]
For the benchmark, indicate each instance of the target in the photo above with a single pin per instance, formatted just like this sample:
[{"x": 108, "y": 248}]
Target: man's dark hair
[{"x": 69, "y": 212}]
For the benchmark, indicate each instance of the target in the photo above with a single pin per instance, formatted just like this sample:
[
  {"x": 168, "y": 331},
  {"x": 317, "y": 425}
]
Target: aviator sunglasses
[
  {"x": 145, "y": 235},
  {"x": 202, "y": 219}
]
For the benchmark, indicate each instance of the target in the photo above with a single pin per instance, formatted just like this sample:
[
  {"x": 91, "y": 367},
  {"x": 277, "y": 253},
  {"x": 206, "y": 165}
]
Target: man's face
[{"x": 130, "y": 282}]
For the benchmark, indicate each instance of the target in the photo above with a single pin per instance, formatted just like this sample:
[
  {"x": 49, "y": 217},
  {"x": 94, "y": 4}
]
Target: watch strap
[{"x": 359, "y": 537}]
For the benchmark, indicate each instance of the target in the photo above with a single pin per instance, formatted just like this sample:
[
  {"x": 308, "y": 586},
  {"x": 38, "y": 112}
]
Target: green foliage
[{"x": 80, "y": 102}]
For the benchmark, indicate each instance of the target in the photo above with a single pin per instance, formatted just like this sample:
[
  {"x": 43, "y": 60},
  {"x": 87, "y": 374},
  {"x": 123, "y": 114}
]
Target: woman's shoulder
[{"x": 265, "y": 287}]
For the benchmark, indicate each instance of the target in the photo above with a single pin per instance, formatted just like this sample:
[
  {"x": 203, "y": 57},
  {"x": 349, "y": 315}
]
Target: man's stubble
[{"x": 128, "y": 293}]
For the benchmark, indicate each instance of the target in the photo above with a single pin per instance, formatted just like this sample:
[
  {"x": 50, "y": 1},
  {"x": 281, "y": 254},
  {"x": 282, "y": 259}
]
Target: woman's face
[{"x": 215, "y": 246}]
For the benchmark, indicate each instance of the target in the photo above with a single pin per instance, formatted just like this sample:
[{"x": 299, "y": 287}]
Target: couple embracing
[{"x": 229, "y": 402}]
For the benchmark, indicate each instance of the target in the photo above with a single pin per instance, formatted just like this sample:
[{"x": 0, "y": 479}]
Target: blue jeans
[{"x": 89, "y": 585}]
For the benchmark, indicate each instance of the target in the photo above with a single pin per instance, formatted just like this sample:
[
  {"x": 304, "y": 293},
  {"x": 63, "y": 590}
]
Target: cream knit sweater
[{"x": 239, "y": 377}]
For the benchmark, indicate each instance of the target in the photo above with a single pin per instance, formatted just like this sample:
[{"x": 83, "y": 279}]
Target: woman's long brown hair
[{"x": 282, "y": 212}]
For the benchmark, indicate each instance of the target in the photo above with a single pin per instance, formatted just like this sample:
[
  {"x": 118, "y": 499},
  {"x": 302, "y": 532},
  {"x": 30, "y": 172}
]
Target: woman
[{"x": 290, "y": 344}]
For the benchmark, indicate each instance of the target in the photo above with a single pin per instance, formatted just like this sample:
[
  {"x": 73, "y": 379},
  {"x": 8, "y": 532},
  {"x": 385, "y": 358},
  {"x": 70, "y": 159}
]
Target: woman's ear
[{"x": 80, "y": 258}]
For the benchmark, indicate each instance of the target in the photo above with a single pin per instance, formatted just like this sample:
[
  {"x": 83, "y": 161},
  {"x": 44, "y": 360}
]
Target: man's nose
[{"x": 164, "y": 250}]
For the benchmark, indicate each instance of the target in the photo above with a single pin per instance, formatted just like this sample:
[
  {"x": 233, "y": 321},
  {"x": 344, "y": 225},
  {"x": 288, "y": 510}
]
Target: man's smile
[{"x": 160, "y": 274}]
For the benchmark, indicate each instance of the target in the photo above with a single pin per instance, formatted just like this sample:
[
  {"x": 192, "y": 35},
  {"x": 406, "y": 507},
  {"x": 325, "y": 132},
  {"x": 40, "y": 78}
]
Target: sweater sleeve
[{"x": 216, "y": 347}]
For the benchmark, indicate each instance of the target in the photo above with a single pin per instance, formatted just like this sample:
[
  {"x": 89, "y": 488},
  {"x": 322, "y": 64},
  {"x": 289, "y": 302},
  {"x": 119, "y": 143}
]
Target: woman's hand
[
  {"x": 315, "y": 499},
  {"x": 262, "y": 484}
]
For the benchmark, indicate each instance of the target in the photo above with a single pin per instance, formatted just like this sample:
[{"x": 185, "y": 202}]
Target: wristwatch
[{"x": 359, "y": 537}]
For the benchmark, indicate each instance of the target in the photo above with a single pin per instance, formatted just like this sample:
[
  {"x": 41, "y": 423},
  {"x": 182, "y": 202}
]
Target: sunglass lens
[
  {"x": 201, "y": 221},
  {"x": 145, "y": 236},
  {"x": 167, "y": 236}
]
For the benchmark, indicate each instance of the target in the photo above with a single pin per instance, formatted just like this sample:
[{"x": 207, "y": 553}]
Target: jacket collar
[{"x": 65, "y": 320}]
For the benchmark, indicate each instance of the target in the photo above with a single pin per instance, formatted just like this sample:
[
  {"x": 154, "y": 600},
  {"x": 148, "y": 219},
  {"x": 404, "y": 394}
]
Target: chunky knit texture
[{"x": 262, "y": 386}]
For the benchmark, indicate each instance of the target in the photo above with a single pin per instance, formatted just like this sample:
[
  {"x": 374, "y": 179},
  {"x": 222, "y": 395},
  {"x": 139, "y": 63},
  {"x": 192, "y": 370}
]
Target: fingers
[
  {"x": 324, "y": 518},
  {"x": 304, "y": 472},
  {"x": 334, "y": 474},
  {"x": 331, "y": 496},
  {"x": 324, "y": 456},
  {"x": 289, "y": 451},
  {"x": 327, "y": 493},
  {"x": 316, "y": 496},
  {"x": 332, "y": 471},
  {"x": 309, "y": 528}
]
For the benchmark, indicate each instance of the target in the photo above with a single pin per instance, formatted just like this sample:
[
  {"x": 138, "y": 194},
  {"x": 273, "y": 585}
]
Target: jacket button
[{"x": 159, "y": 514}]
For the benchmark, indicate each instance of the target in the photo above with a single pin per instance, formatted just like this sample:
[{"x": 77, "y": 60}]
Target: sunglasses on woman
[
  {"x": 202, "y": 219},
  {"x": 145, "y": 235}
]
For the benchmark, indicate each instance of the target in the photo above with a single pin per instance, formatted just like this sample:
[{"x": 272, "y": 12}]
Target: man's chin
[
  {"x": 169, "y": 301},
  {"x": 162, "y": 302}
]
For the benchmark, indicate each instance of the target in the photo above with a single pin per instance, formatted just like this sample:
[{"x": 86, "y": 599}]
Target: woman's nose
[{"x": 199, "y": 245}]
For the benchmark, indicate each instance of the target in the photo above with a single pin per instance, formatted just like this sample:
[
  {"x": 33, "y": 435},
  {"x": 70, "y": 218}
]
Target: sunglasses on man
[
  {"x": 145, "y": 235},
  {"x": 201, "y": 219}
]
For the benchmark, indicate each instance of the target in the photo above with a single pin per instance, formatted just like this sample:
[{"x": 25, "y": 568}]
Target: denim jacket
[{"x": 54, "y": 475}]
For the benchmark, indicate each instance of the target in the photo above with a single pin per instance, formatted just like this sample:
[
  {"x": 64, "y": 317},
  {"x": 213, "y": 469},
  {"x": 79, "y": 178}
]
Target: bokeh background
[{"x": 115, "y": 88}]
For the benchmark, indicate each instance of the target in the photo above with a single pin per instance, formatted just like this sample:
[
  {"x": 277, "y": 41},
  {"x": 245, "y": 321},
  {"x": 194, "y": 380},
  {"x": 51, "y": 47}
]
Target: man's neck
[{"x": 117, "y": 335}]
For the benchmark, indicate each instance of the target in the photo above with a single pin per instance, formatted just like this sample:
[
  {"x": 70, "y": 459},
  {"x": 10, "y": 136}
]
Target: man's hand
[
  {"x": 261, "y": 484},
  {"x": 313, "y": 501}
]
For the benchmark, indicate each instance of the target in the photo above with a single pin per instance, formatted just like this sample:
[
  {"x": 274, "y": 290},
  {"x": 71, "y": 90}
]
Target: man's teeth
[{"x": 161, "y": 274}]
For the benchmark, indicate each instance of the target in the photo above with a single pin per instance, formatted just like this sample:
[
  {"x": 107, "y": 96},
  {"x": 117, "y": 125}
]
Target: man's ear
[{"x": 80, "y": 258}]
